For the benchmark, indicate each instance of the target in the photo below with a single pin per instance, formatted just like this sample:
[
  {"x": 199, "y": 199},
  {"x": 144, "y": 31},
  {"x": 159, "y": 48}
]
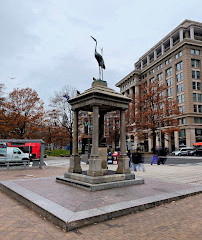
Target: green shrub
[{"x": 57, "y": 152}]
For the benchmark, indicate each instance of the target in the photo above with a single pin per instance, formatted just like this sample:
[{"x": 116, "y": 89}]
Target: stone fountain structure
[{"x": 99, "y": 99}]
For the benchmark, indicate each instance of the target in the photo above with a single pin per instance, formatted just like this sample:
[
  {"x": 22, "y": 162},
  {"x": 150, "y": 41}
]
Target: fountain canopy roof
[{"x": 100, "y": 95}]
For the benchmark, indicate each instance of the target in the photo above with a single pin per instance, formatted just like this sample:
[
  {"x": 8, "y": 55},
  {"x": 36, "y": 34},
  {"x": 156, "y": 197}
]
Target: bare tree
[{"x": 59, "y": 103}]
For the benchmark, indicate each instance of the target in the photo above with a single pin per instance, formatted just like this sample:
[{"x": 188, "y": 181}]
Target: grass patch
[{"x": 57, "y": 152}]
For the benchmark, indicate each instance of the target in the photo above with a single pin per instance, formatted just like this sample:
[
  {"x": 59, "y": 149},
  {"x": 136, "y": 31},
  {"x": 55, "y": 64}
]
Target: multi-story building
[{"x": 177, "y": 61}]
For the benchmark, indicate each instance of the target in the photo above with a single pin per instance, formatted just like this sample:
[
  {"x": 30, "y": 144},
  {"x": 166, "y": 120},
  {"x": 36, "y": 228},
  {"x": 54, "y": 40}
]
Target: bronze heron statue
[{"x": 100, "y": 60}]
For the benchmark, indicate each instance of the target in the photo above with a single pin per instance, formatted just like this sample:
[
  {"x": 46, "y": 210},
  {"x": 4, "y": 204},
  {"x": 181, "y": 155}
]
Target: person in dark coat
[
  {"x": 138, "y": 160},
  {"x": 161, "y": 156}
]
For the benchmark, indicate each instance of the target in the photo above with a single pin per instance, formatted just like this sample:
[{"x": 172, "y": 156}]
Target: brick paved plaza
[{"x": 177, "y": 220}]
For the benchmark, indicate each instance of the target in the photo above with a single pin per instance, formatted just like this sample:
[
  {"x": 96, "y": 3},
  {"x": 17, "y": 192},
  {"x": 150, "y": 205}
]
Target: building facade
[{"x": 176, "y": 60}]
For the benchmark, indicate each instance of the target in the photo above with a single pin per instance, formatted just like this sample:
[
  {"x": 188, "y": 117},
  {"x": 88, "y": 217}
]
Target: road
[
  {"x": 178, "y": 160},
  {"x": 171, "y": 160}
]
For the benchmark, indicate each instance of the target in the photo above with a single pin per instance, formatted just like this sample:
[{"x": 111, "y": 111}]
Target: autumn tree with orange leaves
[
  {"x": 24, "y": 115},
  {"x": 152, "y": 111}
]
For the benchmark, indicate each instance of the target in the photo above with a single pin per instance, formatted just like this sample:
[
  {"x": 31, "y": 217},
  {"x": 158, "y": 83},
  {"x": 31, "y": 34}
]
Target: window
[
  {"x": 176, "y": 56},
  {"x": 194, "y": 85},
  {"x": 183, "y": 109},
  {"x": 160, "y": 76},
  {"x": 151, "y": 71},
  {"x": 195, "y": 108},
  {"x": 198, "y": 86},
  {"x": 195, "y": 74},
  {"x": 170, "y": 92},
  {"x": 199, "y": 97},
  {"x": 182, "y": 98},
  {"x": 181, "y": 76},
  {"x": 198, "y": 132},
  {"x": 181, "y": 120},
  {"x": 192, "y": 63},
  {"x": 179, "y": 66},
  {"x": 166, "y": 62},
  {"x": 195, "y": 63},
  {"x": 194, "y": 97},
  {"x": 195, "y": 51},
  {"x": 179, "y": 99},
  {"x": 168, "y": 72},
  {"x": 182, "y": 133},
  {"x": 200, "y": 108},
  {"x": 195, "y": 120},
  {"x": 151, "y": 80},
  {"x": 180, "y": 54},
  {"x": 178, "y": 77},
  {"x": 178, "y": 88},
  {"x": 200, "y": 120},
  {"x": 182, "y": 87},
  {"x": 169, "y": 82}
]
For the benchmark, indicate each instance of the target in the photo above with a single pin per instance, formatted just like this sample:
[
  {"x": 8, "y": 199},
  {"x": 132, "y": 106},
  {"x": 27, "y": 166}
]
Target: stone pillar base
[
  {"x": 95, "y": 166},
  {"x": 123, "y": 164},
  {"x": 103, "y": 156},
  {"x": 75, "y": 164}
]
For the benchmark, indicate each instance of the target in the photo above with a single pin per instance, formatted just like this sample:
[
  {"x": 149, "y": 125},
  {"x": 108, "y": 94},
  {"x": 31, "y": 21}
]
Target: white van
[{"x": 14, "y": 154}]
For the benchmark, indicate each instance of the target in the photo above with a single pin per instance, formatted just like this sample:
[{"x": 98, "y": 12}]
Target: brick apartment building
[{"x": 176, "y": 60}]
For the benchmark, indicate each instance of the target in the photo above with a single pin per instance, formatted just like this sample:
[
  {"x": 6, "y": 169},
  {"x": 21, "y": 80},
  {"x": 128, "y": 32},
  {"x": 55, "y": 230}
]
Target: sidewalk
[{"x": 169, "y": 221}]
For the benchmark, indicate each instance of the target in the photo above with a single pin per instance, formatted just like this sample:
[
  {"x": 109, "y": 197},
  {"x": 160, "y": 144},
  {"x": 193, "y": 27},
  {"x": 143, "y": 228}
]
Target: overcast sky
[{"x": 46, "y": 44}]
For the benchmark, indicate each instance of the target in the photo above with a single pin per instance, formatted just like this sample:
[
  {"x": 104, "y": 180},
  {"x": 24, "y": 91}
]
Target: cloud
[{"x": 46, "y": 44}]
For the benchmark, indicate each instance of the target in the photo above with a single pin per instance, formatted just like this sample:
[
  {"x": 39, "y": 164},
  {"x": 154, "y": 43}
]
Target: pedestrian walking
[
  {"x": 138, "y": 160},
  {"x": 160, "y": 157}
]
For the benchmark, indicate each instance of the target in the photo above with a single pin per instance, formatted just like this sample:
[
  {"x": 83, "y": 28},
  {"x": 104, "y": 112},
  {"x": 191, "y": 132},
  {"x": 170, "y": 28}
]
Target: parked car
[
  {"x": 13, "y": 154},
  {"x": 183, "y": 151},
  {"x": 196, "y": 152}
]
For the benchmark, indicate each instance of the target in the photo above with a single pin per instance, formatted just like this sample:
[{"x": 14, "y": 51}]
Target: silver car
[{"x": 182, "y": 151}]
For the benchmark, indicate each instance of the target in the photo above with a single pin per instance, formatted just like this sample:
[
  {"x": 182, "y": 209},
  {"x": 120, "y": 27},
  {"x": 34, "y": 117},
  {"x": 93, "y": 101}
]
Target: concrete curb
[{"x": 69, "y": 220}]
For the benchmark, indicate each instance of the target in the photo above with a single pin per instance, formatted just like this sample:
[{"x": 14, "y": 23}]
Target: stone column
[
  {"x": 176, "y": 139},
  {"x": 171, "y": 42},
  {"x": 150, "y": 143},
  {"x": 190, "y": 137},
  {"x": 192, "y": 32},
  {"x": 148, "y": 59},
  {"x": 131, "y": 94},
  {"x": 181, "y": 34},
  {"x": 168, "y": 142},
  {"x": 123, "y": 160},
  {"x": 135, "y": 142},
  {"x": 95, "y": 162},
  {"x": 162, "y": 49},
  {"x": 141, "y": 64},
  {"x": 137, "y": 90},
  {"x": 155, "y": 54},
  {"x": 75, "y": 160}
]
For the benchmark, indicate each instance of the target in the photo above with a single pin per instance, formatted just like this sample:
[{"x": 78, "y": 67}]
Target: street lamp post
[{"x": 70, "y": 128}]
